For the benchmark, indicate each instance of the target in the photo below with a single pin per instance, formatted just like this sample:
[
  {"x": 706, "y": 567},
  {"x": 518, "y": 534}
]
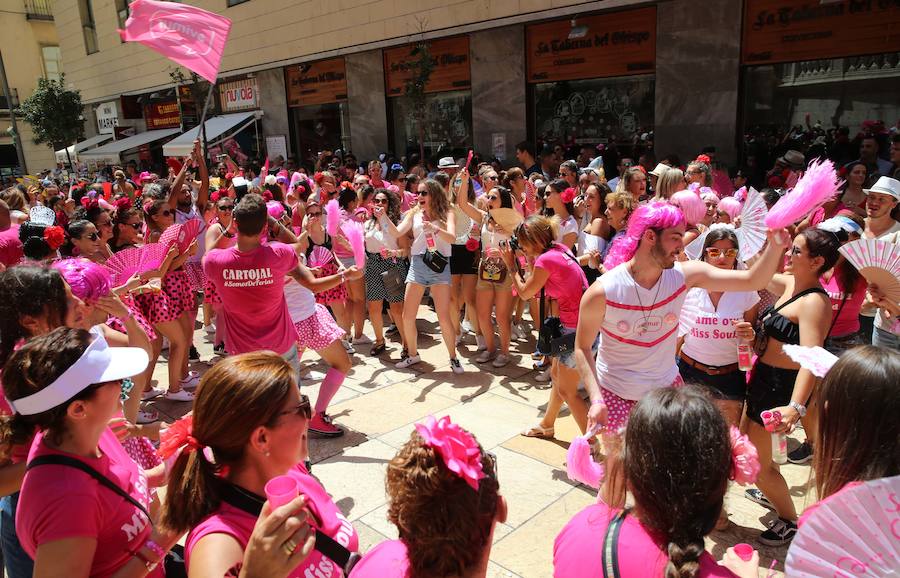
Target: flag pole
[{"x": 209, "y": 94}]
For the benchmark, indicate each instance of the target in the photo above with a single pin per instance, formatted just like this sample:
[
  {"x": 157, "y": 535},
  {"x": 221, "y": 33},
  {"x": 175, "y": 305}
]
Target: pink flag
[{"x": 190, "y": 36}]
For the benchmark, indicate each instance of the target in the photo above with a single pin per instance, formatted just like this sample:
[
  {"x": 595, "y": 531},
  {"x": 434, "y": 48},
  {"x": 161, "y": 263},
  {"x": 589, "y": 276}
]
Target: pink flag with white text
[{"x": 192, "y": 37}]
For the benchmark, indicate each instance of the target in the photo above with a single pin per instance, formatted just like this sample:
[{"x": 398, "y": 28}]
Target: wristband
[{"x": 597, "y": 402}]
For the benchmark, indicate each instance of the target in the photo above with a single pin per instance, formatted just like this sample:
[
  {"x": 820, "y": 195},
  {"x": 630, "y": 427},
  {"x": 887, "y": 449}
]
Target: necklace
[{"x": 644, "y": 314}]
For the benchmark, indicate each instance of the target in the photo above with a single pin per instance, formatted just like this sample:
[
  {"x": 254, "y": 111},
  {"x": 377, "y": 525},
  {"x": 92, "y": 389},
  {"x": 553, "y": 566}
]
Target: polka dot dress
[
  {"x": 178, "y": 287},
  {"x": 119, "y": 324},
  {"x": 156, "y": 307},
  {"x": 338, "y": 293}
]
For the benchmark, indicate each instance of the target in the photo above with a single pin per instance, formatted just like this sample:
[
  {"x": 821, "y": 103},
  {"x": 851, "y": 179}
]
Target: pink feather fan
[
  {"x": 354, "y": 233},
  {"x": 817, "y": 185},
  {"x": 332, "y": 217},
  {"x": 580, "y": 466}
]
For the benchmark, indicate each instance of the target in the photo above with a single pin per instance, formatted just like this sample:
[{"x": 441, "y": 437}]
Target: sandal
[
  {"x": 538, "y": 431},
  {"x": 378, "y": 348}
]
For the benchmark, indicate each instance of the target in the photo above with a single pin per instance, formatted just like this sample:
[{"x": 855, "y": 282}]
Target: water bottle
[
  {"x": 745, "y": 355},
  {"x": 771, "y": 419}
]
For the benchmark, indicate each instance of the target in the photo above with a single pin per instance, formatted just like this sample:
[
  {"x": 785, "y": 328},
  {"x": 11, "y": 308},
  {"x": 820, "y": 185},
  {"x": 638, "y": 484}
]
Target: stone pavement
[{"x": 378, "y": 406}]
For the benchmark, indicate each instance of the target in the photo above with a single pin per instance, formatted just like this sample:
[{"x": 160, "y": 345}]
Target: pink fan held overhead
[
  {"x": 332, "y": 217},
  {"x": 817, "y": 185}
]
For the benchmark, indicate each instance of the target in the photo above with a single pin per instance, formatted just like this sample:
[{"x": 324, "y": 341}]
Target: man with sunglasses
[{"x": 249, "y": 277}]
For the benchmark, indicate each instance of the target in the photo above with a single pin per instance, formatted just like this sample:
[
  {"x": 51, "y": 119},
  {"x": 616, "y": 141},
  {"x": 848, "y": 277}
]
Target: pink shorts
[
  {"x": 318, "y": 331},
  {"x": 619, "y": 408}
]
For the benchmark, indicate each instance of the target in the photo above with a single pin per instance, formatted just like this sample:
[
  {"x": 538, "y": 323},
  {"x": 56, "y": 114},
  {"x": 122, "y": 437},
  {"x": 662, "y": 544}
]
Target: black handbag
[
  {"x": 551, "y": 340},
  {"x": 435, "y": 261}
]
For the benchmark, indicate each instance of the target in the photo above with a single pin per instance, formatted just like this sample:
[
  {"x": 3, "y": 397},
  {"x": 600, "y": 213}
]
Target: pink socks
[{"x": 330, "y": 385}]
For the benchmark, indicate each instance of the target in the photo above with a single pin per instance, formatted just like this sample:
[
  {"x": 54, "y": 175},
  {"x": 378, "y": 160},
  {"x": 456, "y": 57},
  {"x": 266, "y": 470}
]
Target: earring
[{"x": 267, "y": 454}]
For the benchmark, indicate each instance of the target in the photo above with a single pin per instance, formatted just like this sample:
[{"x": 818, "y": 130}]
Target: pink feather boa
[
  {"x": 332, "y": 217},
  {"x": 819, "y": 184},
  {"x": 580, "y": 466},
  {"x": 354, "y": 233}
]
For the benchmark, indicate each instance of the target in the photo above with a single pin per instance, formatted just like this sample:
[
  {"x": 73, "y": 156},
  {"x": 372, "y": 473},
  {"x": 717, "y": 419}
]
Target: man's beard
[{"x": 663, "y": 259}]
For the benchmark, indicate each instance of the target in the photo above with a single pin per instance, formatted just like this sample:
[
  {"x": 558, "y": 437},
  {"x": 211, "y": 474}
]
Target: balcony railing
[
  {"x": 838, "y": 69},
  {"x": 39, "y": 9}
]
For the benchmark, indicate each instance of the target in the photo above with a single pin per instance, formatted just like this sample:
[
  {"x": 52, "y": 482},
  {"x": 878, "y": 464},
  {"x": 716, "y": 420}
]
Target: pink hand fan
[
  {"x": 126, "y": 263},
  {"x": 855, "y": 532},
  {"x": 818, "y": 184},
  {"x": 878, "y": 262},
  {"x": 181, "y": 234},
  {"x": 580, "y": 465},
  {"x": 332, "y": 217},
  {"x": 815, "y": 359},
  {"x": 354, "y": 233},
  {"x": 320, "y": 256}
]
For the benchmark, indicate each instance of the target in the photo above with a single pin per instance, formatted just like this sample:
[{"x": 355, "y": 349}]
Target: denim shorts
[{"x": 420, "y": 274}]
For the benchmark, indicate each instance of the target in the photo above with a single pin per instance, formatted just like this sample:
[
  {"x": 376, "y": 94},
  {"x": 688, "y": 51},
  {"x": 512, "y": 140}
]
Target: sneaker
[
  {"x": 191, "y": 381},
  {"x": 320, "y": 424},
  {"x": 542, "y": 364},
  {"x": 479, "y": 343},
  {"x": 456, "y": 366},
  {"x": 485, "y": 356},
  {"x": 411, "y": 360},
  {"x": 219, "y": 349},
  {"x": 210, "y": 329},
  {"x": 466, "y": 326},
  {"x": 193, "y": 354},
  {"x": 518, "y": 334},
  {"x": 537, "y": 356},
  {"x": 542, "y": 377},
  {"x": 391, "y": 330},
  {"x": 780, "y": 532},
  {"x": 362, "y": 340},
  {"x": 151, "y": 393},
  {"x": 404, "y": 354},
  {"x": 501, "y": 360},
  {"x": 756, "y": 495},
  {"x": 802, "y": 454},
  {"x": 181, "y": 395},
  {"x": 347, "y": 346},
  {"x": 146, "y": 416}
]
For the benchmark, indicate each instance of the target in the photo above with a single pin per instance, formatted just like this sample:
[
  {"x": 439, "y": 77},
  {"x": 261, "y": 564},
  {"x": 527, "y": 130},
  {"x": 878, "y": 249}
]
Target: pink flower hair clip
[
  {"x": 457, "y": 448},
  {"x": 744, "y": 459},
  {"x": 568, "y": 195}
]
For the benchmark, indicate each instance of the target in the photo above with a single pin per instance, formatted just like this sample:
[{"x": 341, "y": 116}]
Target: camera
[{"x": 513, "y": 243}]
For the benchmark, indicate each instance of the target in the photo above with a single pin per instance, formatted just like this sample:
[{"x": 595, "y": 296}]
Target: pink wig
[
  {"x": 709, "y": 196},
  {"x": 691, "y": 205},
  {"x": 730, "y": 206},
  {"x": 656, "y": 216},
  {"x": 88, "y": 280}
]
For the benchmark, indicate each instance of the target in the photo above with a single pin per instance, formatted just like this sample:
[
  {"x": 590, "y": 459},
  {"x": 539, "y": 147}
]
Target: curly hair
[
  {"x": 444, "y": 524},
  {"x": 393, "y": 205}
]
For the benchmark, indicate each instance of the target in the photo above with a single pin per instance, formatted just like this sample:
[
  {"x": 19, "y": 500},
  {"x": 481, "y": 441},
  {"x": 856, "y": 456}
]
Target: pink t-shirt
[
  {"x": 566, "y": 283},
  {"x": 578, "y": 549},
  {"x": 251, "y": 286},
  {"x": 386, "y": 560},
  {"x": 239, "y": 525},
  {"x": 59, "y": 502},
  {"x": 10, "y": 246},
  {"x": 847, "y": 317}
]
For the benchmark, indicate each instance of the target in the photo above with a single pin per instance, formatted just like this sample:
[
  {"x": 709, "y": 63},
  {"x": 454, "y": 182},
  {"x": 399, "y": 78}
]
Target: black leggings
[{"x": 769, "y": 387}]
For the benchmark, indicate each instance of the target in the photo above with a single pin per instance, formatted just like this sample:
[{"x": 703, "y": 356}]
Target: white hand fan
[
  {"x": 126, "y": 263},
  {"x": 853, "y": 532},
  {"x": 752, "y": 232},
  {"x": 877, "y": 261},
  {"x": 816, "y": 359}
]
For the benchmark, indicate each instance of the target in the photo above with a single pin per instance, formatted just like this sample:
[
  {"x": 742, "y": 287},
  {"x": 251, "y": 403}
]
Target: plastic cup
[
  {"x": 280, "y": 490},
  {"x": 744, "y": 551}
]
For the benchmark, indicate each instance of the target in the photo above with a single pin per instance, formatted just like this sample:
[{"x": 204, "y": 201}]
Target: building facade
[
  {"x": 30, "y": 50},
  {"x": 326, "y": 75}
]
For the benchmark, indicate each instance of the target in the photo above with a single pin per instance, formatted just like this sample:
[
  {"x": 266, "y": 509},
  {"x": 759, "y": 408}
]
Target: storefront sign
[
  {"x": 792, "y": 30},
  {"x": 450, "y": 57},
  {"x": 162, "y": 115},
  {"x": 613, "y": 44},
  {"x": 124, "y": 132},
  {"x": 107, "y": 117},
  {"x": 239, "y": 95},
  {"x": 316, "y": 82}
]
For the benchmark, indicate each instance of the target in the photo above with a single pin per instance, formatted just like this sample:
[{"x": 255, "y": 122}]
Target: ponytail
[
  {"x": 684, "y": 558},
  {"x": 193, "y": 492}
]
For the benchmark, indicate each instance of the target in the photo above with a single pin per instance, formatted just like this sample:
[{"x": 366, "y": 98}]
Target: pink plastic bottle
[{"x": 771, "y": 419}]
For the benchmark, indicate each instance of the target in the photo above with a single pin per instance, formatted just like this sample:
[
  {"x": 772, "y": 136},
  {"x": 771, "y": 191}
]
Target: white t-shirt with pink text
[{"x": 708, "y": 331}]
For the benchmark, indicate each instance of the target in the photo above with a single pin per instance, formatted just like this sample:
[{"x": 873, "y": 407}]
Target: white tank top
[
  {"x": 301, "y": 301},
  {"x": 376, "y": 238},
  {"x": 491, "y": 239},
  {"x": 638, "y": 335},
  {"x": 419, "y": 245}
]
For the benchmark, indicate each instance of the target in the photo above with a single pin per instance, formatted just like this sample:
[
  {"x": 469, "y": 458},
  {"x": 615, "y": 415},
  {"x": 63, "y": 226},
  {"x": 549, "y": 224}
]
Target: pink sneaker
[{"x": 320, "y": 424}]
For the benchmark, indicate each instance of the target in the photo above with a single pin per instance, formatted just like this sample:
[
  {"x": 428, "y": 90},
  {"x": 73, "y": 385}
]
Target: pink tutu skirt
[{"x": 318, "y": 331}]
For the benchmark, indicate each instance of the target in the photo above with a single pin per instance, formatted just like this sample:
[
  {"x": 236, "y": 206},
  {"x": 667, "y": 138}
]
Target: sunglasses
[
  {"x": 226, "y": 207},
  {"x": 166, "y": 213},
  {"x": 316, "y": 214},
  {"x": 423, "y": 193},
  {"x": 491, "y": 197},
  {"x": 92, "y": 236},
  {"x": 490, "y": 178},
  {"x": 136, "y": 226},
  {"x": 715, "y": 253},
  {"x": 303, "y": 408},
  {"x": 381, "y": 201}
]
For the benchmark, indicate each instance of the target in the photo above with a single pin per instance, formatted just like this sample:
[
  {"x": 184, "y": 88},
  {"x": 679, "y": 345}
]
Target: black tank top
[{"x": 312, "y": 244}]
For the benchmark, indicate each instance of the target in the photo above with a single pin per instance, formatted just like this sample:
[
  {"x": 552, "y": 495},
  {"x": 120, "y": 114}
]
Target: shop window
[
  {"x": 88, "y": 26},
  {"x": 448, "y": 125},
  {"x": 51, "y": 60},
  {"x": 319, "y": 128},
  {"x": 604, "y": 110},
  {"x": 809, "y": 105}
]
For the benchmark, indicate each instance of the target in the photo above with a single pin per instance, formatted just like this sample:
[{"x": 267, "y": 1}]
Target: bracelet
[
  {"x": 799, "y": 407},
  {"x": 597, "y": 402}
]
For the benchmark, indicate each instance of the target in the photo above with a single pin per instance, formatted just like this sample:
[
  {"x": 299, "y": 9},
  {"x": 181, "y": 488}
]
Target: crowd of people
[{"x": 646, "y": 292}]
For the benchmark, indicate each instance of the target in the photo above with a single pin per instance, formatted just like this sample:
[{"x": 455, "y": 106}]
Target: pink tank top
[
  {"x": 846, "y": 317},
  {"x": 639, "y": 332}
]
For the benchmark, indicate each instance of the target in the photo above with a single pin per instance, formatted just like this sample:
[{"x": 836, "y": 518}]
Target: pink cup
[
  {"x": 744, "y": 551},
  {"x": 280, "y": 490}
]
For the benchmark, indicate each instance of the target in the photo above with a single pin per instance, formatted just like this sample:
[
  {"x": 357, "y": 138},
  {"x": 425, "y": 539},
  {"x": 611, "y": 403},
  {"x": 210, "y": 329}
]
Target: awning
[
  {"x": 110, "y": 152},
  {"x": 218, "y": 128},
  {"x": 81, "y": 147}
]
